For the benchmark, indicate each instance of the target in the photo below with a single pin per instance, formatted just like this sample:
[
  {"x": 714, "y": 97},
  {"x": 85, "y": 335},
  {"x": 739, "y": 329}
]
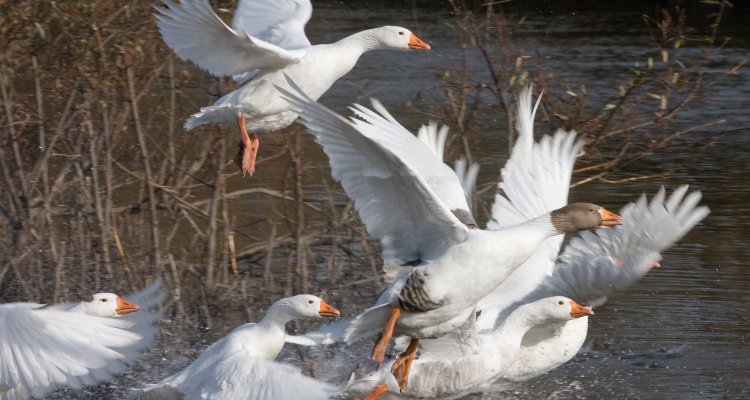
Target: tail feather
[
  {"x": 215, "y": 114},
  {"x": 368, "y": 323}
]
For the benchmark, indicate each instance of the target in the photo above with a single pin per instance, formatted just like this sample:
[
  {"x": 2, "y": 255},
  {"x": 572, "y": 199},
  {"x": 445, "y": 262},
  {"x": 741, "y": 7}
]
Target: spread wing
[
  {"x": 146, "y": 319},
  {"x": 378, "y": 164},
  {"x": 44, "y": 349},
  {"x": 239, "y": 377},
  {"x": 444, "y": 183},
  {"x": 597, "y": 265},
  {"x": 278, "y": 22},
  {"x": 194, "y": 31},
  {"x": 535, "y": 180}
]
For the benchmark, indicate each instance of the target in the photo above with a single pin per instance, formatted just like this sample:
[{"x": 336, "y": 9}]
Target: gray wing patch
[{"x": 413, "y": 297}]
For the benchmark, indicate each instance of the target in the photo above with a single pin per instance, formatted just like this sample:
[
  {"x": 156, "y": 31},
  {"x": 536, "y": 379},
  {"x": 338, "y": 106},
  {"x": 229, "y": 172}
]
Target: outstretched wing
[
  {"x": 434, "y": 138},
  {"x": 378, "y": 164},
  {"x": 597, "y": 265},
  {"x": 194, "y": 31},
  {"x": 536, "y": 178},
  {"x": 239, "y": 377},
  {"x": 146, "y": 319},
  {"x": 42, "y": 349},
  {"x": 279, "y": 22}
]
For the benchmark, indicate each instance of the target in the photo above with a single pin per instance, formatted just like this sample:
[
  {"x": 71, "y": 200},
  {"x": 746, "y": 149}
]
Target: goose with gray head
[
  {"x": 240, "y": 365},
  {"x": 410, "y": 201},
  {"x": 267, "y": 40},
  {"x": 48, "y": 347}
]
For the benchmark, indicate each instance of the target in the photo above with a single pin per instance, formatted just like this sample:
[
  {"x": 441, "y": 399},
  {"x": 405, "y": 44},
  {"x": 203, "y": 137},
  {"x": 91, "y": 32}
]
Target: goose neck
[
  {"x": 512, "y": 330},
  {"x": 542, "y": 225},
  {"x": 277, "y": 316},
  {"x": 363, "y": 41}
]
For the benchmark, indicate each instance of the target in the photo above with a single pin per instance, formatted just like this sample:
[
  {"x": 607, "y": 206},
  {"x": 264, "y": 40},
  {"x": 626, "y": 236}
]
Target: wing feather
[
  {"x": 536, "y": 178},
  {"x": 194, "y": 31},
  {"x": 42, "y": 349},
  {"x": 279, "y": 22},
  {"x": 397, "y": 205},
  {"x": 237, "y": 376}
]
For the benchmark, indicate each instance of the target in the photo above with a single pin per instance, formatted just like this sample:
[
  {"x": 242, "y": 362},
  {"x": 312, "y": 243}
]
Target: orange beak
[
  {"x": 578, "y": 310},
  {"x": 125, "y": 307},
  {"x": 416, "y": 43},
  {"x": 328, "y": 311},
  {"x": 609, "y": 218},
  {"x": 655, "y": 265}
]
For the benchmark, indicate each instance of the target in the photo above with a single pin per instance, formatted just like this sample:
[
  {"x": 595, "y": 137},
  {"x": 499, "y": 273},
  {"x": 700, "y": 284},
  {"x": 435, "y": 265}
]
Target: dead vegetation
[{"x": 638, "y": 118}]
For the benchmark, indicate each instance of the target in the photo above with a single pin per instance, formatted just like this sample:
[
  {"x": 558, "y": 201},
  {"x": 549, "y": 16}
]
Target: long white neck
[
  {"x": 362, "y": 42},
  {"x": 278, "y": 315},
  {"x": 511, "y": 331}
]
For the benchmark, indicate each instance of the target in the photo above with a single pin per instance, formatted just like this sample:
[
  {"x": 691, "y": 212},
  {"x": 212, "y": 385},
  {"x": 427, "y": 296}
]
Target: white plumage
[
  {"x": 467, "y": 362},
  {"x": 240, "y": 365},
  {"x": 266, "y": 41},
  {"x": 414, "y": 204},
  {"x": 43, "y": 348}
]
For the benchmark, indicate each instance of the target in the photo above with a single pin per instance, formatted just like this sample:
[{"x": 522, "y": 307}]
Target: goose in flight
[{"x": 266, "y": 41}]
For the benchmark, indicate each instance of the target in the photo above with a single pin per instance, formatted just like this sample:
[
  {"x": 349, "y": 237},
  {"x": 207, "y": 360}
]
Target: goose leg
[
  {"x": 377, "y": 392},
  {"x": 378, "y": 352},
  {"x": 401, "y": 367},
  {"x": 248, "y": 148}
]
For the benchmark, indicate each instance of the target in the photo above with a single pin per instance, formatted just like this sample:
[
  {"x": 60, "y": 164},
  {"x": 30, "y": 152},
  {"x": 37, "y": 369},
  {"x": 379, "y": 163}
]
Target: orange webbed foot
[{"x": 401, "y": 367}]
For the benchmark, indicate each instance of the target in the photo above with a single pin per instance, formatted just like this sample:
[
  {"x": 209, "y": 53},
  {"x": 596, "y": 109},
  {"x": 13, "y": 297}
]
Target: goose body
[
  {"x": 240, "y": 365},
  {"x": 472, "y": 363},
  {"x": 266, "y": 41}
]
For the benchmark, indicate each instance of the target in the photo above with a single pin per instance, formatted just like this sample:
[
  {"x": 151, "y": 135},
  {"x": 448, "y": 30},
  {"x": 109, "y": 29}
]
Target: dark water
[{"x": 681, "y": 333}]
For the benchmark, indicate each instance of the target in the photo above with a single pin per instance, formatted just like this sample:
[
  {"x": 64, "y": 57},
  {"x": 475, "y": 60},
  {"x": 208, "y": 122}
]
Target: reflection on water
[{"x": 683, "y": 331}]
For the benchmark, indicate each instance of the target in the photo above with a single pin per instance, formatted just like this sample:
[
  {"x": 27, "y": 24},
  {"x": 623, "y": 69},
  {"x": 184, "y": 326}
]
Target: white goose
[
  {"x": 414, "y": 204},
  {"x": 240, "y": 365},
  {"x": 46, "y": 347},
  {"x": 267, "y": 39},
  {"x": 471, "y": 364},
  {"x": 595, "y": 266}
]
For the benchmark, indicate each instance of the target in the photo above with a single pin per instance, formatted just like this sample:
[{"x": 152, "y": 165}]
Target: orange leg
[
  {"x": 377, "y": 392},
  {"x": 248, "y": 148},
  {"x": 401, "y": 367},
  {"x": 378, "y": 353}
]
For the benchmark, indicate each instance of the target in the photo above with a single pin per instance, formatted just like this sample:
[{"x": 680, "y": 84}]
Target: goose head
[
  {"x": 396, "y": 37},
  {"x": 581, "y": 216},
  {"x": 309, "y": 306},
  {"x": 107, "y": 305},
  {"x": 562, "y": 308}
]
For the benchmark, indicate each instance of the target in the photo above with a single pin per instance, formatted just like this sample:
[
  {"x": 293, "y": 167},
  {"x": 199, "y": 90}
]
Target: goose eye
[
  {"x": 103, "y": 300},
  {"x": 401, "y": 33},
  {"x": 560, "y": 302},
  {"x": 310, "y": 302}
]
